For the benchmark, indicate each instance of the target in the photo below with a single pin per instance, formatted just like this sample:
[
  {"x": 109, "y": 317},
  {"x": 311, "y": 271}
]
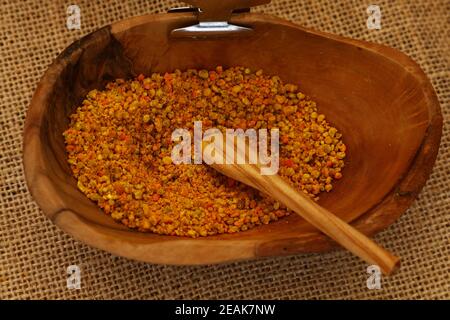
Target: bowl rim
[{"x": 204, "y": 250}]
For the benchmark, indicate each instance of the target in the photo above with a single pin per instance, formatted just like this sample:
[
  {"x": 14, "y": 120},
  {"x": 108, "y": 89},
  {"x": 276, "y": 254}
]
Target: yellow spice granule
[{"x": 119, "y": 144}]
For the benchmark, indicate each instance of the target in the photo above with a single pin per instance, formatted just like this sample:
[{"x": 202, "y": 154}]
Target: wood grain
[
  {"x": 277, "y": 188},
  {"x": 378, "y": 97}
]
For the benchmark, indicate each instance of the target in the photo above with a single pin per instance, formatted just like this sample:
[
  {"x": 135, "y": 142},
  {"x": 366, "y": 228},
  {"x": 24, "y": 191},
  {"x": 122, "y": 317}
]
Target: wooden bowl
[{"x": 377, "y": 96}]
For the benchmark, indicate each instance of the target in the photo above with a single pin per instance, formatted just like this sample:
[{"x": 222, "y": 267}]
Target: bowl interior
[{"x": 371, "y": 99}]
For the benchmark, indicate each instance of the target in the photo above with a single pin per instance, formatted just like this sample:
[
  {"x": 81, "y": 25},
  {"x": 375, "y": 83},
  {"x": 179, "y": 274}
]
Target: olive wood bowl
[{"x": 376, "y": 96}]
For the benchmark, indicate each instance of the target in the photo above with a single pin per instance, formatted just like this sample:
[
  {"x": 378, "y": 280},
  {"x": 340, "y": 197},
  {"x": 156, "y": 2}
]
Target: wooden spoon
[{"x": 277, "y": 188}]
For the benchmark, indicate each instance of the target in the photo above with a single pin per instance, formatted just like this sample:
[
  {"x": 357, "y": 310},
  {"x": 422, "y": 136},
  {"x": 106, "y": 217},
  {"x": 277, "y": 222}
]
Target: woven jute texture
[{"x": 34, "y": 254}]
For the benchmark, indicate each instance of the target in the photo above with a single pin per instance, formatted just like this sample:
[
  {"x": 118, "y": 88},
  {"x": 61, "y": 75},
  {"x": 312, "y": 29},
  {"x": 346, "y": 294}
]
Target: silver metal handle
[{"x": 213, "y": 17}]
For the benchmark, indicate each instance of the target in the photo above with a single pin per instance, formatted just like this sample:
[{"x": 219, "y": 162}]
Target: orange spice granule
[{"x": 119, "y": 145}]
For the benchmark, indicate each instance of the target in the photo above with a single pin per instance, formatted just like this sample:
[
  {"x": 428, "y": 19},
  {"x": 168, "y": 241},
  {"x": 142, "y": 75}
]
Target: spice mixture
[{"x": 119, "y": 146}]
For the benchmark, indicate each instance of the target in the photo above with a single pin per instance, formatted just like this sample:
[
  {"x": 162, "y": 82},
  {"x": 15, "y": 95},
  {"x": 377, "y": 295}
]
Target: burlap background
[{"x": 34, "y": 254}]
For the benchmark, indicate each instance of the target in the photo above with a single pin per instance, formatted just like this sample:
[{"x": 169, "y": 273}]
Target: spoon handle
[{"x": 337, "y": 229}]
